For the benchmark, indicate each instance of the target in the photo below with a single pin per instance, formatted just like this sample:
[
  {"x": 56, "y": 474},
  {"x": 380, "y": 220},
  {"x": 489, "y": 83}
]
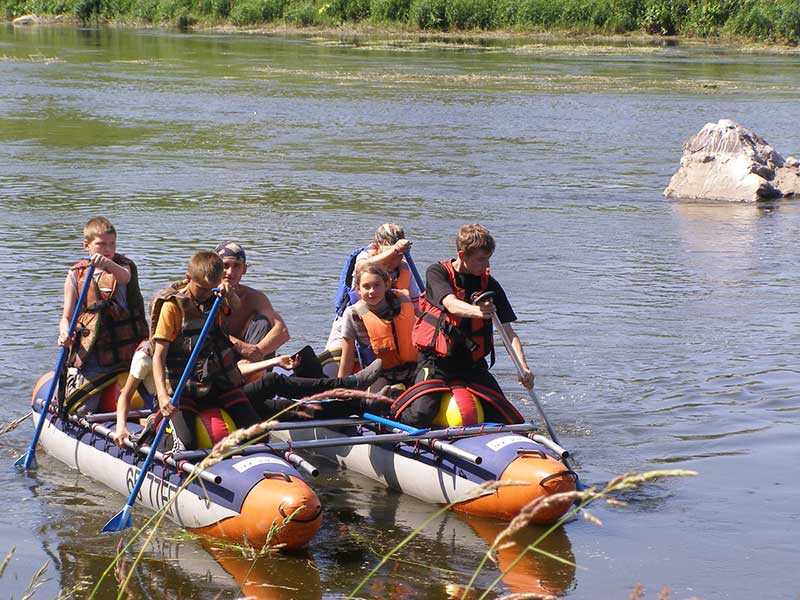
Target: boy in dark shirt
[{"x": 454, "y": 336}]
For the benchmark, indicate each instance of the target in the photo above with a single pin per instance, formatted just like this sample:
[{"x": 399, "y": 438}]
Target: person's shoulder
[
  {"x": 251, "y": 298},
  {"x": 124, "y": 261},
  {"x": 493, "y": 281},
  {"x": 438, "y": 268},
  {"x": 245, "y": 291}
]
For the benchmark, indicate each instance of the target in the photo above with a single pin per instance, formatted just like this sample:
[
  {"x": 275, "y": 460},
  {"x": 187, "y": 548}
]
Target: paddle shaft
[
  {"x": 122, "y": 520},
  {"x": 520, "y": 370},
  {"x": 414, "y": 271},
  {"x": 29, "y": 458}
]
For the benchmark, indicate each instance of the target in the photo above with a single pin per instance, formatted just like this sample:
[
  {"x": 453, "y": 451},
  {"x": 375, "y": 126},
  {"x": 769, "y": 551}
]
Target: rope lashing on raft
[{"x": 256, "y": 432}]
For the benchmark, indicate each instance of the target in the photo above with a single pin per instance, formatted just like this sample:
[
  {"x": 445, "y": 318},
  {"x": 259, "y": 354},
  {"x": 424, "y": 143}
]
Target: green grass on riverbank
[{"x": 768, "y": 21}]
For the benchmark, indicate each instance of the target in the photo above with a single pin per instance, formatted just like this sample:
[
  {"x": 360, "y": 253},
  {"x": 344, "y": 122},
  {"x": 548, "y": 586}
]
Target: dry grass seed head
[
  {"x": 535, "y": 507},
  {"x": 634, "y": 480},
  {"x": 638, "y": 592},
  {"x": 528, "y": 596},
  {"x": 587, "y": 516}
]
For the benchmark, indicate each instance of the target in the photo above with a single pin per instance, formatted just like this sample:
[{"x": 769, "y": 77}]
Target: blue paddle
[
  {"x": 440, "y": 445},
  {"x": 122, "y": 520},
  {"x": 28, "y": 460},
  {"x": 413, "y": 267}
]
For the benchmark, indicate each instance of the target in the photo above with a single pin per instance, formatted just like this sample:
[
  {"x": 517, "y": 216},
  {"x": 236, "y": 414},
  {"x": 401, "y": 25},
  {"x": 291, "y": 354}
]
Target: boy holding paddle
[
  {"x": 112, "y": 323},
  {"x": 178, "y": 314},
  {"x": 454, "y": 337}
]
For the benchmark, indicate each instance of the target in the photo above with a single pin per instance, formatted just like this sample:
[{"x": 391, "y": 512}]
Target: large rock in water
[{"x": 725, "y": 161}]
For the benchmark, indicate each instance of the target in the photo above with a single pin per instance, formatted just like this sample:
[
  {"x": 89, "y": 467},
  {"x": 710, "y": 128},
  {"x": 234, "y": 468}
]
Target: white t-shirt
[{"x": 142, "y": 368}]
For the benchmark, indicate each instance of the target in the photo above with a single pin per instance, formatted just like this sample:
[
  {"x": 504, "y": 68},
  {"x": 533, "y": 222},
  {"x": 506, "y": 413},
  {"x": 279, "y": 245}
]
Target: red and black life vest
[
  {"x": 390, "y": 339},
  {"x": 216, "y": 364},
  {"x": 438, "y": 332},
  {"x": 104, "y": 327}
]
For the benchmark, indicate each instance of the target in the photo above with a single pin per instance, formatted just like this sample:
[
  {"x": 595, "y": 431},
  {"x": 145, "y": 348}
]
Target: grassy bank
[{"x": 766, "y": 21}]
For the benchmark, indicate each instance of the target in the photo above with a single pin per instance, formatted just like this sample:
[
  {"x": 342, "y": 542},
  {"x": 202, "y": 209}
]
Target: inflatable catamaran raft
[
  {"x": 244, "y": 499},
  {"x": 439, "y": 466}
]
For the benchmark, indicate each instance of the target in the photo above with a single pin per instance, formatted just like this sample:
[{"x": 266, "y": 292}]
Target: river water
[{"x": 663, "y": 334}]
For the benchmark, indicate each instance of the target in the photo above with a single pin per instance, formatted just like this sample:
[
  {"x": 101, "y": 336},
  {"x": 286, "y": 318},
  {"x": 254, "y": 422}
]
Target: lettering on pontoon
[
  {"x": 249, "y": 463},
  {"x": 501, "y": 442},
  {"x": 159, "y": 492}
]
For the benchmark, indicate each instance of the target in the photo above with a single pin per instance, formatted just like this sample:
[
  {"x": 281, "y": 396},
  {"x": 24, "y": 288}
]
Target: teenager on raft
[{"x": 414, "y": 356}]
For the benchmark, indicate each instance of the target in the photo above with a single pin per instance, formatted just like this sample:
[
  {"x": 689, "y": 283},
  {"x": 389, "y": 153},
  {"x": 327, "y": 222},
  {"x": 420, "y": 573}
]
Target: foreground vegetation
[{"x": 768, "y": 21}]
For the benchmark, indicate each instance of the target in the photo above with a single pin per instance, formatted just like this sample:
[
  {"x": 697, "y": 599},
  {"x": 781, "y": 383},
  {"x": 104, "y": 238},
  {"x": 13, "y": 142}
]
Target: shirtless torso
[{"x": 254, "y": 303}]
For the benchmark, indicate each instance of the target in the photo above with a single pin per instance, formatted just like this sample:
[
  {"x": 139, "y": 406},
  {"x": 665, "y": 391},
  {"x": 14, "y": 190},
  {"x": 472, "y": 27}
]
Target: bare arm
[
  {"x": 70, "y": 301},
  {"x": 123, "y": 405},
  {"x": 348, "y": 355},
  {"x": 389, "y": 256},
  {"x": 248, "y": 368},
  {"x": 275, "y": 338},
  {"x": 526, "y": 379},
  {"x": 459, "y": 308},
  {"x": 120, "y": 273},
  {"x": 160, "y": 377}
]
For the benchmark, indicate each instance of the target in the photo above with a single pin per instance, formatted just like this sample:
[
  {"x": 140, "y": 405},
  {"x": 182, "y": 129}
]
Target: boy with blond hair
[
  {"x": 178, "y": 314},
  {"x": 109, "y": 326},
  {"x": 454, "y": 336}
]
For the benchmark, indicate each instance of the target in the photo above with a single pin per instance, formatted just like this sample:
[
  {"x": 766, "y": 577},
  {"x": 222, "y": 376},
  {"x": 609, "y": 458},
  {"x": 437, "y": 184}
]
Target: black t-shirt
[{"x": 438, "y": 287}]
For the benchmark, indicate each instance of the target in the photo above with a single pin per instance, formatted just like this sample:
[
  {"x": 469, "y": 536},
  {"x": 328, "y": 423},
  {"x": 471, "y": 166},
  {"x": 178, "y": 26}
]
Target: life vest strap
[{"x": 72, "y": 402}]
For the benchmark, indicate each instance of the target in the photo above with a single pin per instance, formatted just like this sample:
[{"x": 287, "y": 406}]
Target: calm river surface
[{"x": 663, "y": 334}]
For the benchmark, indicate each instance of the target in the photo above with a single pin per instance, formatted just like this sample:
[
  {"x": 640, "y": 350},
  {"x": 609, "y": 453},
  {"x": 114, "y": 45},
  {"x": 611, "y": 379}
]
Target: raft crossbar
[
  {"x": 379, "y": 438},
  {"x": 159, "y": 456}
]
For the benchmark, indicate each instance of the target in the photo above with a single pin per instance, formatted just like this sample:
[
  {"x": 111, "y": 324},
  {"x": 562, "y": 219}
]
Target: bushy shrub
[
  {"x": 216, "y": 8},
  {"x": 539, "y": 13},
  {"x": 707, "y": 17},
  {"x": 506, "y": 13},
  {"x": 248, "y": 12},
  {"x": 305, "y": 13},
  {"x": 429, "y": 14},
  {"x": 470, "y": 14},
  {"x": 788, "y": 22},
  {"x": 626, "y": 15},
  {"x": 87, "y": 10},
  {"x": 602, "y": 13},
  {"x": 347, "y": 10},
  {"x": 145, "y": 10},
  {"x": 664, "y": 17},
  {"x": 389, "y": 10}
]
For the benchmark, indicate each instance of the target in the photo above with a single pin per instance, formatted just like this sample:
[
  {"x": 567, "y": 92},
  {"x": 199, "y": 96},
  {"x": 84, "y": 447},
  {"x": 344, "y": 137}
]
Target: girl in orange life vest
[
  {"x": 380, "y": 321},
  {"x": 454, "y": 336},
  {"x": 388, "y": 251}
]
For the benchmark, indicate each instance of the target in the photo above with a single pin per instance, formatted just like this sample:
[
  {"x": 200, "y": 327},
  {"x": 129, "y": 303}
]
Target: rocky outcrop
[
  {"x": 26, "y": 20},
  {"x": 725, "y": 161}
]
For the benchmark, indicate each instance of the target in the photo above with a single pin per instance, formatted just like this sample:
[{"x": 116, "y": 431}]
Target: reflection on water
[{"x": 660, "y": 332}]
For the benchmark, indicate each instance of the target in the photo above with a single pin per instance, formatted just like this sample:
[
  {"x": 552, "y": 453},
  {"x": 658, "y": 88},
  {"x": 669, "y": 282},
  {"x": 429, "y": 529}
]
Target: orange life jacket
[
  {"x": 390, "y": 339},
  {"x": 438, "y": 332},
  {"x": 105, "y": 327}
]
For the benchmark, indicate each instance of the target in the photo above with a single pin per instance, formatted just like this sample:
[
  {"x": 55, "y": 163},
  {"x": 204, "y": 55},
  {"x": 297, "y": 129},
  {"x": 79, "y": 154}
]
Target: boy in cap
[{"x": 255, "y": 329}]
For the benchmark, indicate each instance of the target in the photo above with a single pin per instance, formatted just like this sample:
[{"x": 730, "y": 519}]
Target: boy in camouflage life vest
[
  {"x": 178, "y": 314},
  {"x": 110, "y": 324}
]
